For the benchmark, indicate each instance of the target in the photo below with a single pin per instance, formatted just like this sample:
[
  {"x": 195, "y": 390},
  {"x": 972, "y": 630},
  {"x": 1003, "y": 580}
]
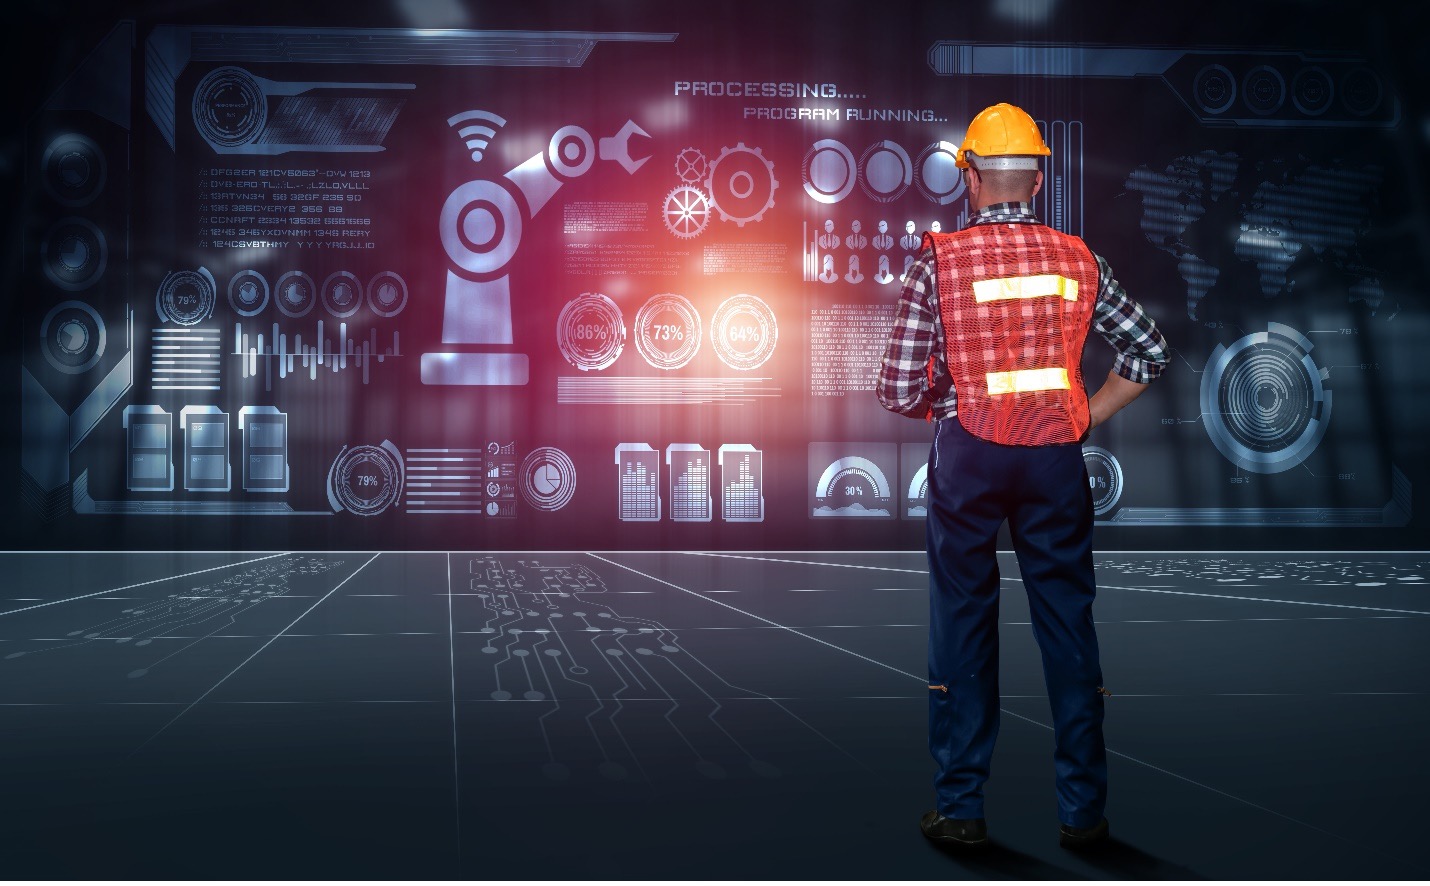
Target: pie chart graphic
[{"x": 548, "y": 479}]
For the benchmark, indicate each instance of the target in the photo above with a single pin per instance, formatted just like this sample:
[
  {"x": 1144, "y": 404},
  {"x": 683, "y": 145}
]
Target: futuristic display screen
[{"x": 628, "y": 287}]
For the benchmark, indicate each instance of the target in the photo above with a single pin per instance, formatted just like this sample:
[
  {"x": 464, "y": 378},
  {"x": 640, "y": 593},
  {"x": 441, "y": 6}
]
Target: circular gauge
[
  {"x": 590, "y": 332},
  {"x": 1104, "y": 478},
  {"x": 1312, "y": 91},
  {"x": 186, "y": 298},
  {"x": 480, "y": 226},
  {"x": 548, "y": 479},
  {"x": 248, "y": 293},
  {"x": 936, "y": 174},
  {"x": 295, "y": 294},
  {"x": 342, "y": 294},
  {"x": 667, "y": 331},
  {"x": 1264, "y": 89},
  {"x": 74, "y": 254},
  {"x": 387, "y": 294},
  {"x": 73, "y": 169},
  {"x": 72, "y": 337},
  {"x": 829, "y": 171},
  {"x": 1265, "y": 401},
  {"x": 366, "y": 480},
  {"x": 1361, "y": 91},
  {"x": 571, "y": 151},
  {"x": 885, "y": 171},
  {"x": 1214, "y": 89},
  {"x": 744, "y": 332},
  {"x": 229, "y": 107}
]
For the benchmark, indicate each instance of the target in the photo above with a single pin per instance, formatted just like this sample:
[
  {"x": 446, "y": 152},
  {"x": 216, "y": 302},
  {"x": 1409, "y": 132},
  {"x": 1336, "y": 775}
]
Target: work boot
[
  {"x": 963, "y": 832},
  {"x": 1082, "y": 838}
]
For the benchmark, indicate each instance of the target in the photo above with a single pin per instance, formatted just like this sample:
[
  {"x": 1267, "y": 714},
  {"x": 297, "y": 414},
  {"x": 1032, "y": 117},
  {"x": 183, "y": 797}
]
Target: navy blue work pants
[{"x": 973, "y": 486}]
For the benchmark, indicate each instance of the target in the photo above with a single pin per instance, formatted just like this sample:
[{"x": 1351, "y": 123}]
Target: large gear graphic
[
  {"x": 691, "y": 166},
  {"x": 737, "y": 184},
  {"x": 687, "y": 211}
]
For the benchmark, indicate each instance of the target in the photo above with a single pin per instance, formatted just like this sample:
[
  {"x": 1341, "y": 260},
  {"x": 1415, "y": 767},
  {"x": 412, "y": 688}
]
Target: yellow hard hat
[{"x": 1004, "y": 131}]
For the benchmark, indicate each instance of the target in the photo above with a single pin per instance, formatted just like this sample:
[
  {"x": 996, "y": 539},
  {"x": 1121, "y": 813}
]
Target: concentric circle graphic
[
  {"x": 1214, "y": 89},
  {"x": 74, "y": 169},
  {"x": 1266, "y": 403},
  {"x": 366, "y": 479},
  {"x": 481, "y": 226},
  {"x": 1361, "y": 91},
  {"x": 667, "y": 331},
  {"x": 548, "y": 479},
  {"x": 72, "y": 337},
  {"x": 885, "y": 171},
  {"x": 387, "y": 294},
  {"x": 74, "y": 254},
  {"x": 229, "y": 107},
  {"x": 342, "y": 294},
  {"x": 296, "y": 294},
  {"x": 1104, "y": 478},
  {"x": 829, "y": 171},
  {"x": 186, "y": 297},
  {"x": 590, "y": 331},
  {"x": 744, "y": 332},
  {"x": 1264, "y": 89},
  {"x": 936, "y": 175},
  {"x": 248, "y": 293},
  {"x": 1312, "y": 91},
  {"x": 571, "y": 151}
]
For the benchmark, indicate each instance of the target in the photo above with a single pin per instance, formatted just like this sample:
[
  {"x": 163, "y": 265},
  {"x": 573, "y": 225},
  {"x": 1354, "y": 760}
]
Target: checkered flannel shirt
[{"x": 903, "y": 383}]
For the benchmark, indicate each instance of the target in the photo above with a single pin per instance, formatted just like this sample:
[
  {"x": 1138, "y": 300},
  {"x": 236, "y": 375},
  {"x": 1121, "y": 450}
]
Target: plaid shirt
[{"x": 903, "y": 385}]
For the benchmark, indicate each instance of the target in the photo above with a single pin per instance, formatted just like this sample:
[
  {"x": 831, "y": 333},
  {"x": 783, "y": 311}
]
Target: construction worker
[{"x": 987, "y": 344}]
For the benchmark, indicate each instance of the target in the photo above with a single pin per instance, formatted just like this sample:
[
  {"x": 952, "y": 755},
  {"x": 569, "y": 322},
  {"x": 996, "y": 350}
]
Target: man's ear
[
  {"x": 972, "y": 181},
  {"x": 1037, "y": 182}
]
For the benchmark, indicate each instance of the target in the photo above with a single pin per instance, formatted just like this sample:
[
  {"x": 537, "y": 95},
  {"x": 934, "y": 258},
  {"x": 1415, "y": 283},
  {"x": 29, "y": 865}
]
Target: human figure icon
[
  {"x": 828, "y": 240},
  {"x": 882, "y": 276},
  {"x": 936, "y": 227},
  {"x": 908, "y": 260},
  {"x": 911, "y": 240},
  {"x": 882, "y": 241},
  {"x": 828, "y": 275},
  {"x": 855, "y": 275},
  {"x": 856, "y": 240}
]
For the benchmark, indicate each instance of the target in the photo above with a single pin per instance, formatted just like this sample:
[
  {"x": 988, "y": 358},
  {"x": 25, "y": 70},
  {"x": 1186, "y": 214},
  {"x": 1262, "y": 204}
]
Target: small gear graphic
[
  {"x": 691, "y": 166},
  {"x": 687, "y": 211},
  {"x": 742, "y": 184}
]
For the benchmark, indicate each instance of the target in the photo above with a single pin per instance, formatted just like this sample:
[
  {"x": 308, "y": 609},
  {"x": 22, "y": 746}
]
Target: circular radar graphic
[
  {"x": 687, "y": 211},
  {"x": 548, "y": 479},
  {"x": 1104, "y": 478},
  {"x": 365, "y": 479},
  {"x": 590, "y": 331},
  {"x": 248, "y": 293},
  {"x": 387, "y": 294},
  {"x": 829, "y": 171},
  {"x": 74, "y": 254},
  {"x": 668, "y": 331},
  {"x": 937, "y": 175},
  {"x": 886, "y": 171},
  {"x": 1266, "y": 403},
  {"x": 342, "y": 294},
  {"x": 296, "y": 294},
  {"x": 186, "y": 297},
  {"x": 229, "y": 107},
  {"x": 72, "y": 337},
  {"x": 744, "y": 332},
  {"x": 691, "y": 166},
  {"x": 73, "y": 169},
  {"x": 742, "y": 184}
]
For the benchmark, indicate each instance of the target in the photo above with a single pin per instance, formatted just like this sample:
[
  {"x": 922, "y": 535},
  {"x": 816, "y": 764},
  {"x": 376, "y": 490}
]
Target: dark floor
[{"x": 672, "y": 715}]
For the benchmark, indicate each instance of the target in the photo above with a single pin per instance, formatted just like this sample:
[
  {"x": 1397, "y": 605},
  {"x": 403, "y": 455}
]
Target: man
[{"x": 988, "y": 344}]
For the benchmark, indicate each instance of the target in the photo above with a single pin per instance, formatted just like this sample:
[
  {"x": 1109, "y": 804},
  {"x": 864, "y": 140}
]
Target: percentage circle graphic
[
  {"x": 590, "y": 332},
  {"x": 668, "y": 331},
  {"x": 367, "y": 479},
  {"x": 248, "y": 293},
  {"x": 548, "y": 479},
  {"x": 342, "y": 294},
  {"x": 1104, "y": 478},
  {"x": 829, "y": 171},
  {"x": 387, "y": 294},
  {"x": 186, "y": 298},
  {"x": 296, "y": 294},
  {"x": 744, "y": 332},
  {"x": 229, "y": 107}
]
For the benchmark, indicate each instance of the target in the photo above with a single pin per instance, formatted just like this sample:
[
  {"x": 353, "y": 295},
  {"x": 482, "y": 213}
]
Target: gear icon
[
  {"x": 691, "y": 166},
  {"x": 742, "y": 184},
  {"x": 687, "y": 211}
]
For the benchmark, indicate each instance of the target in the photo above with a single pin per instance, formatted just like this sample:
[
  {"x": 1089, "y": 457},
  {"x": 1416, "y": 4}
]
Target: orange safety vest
[{"x": 1016, "y": 302}]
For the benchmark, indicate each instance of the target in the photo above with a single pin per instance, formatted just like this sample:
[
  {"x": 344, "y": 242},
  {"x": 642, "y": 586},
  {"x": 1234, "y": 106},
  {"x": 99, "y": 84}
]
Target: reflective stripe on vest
[
  {"x": 1021, "y": 380},
  {"x": 1035, "y": 286}
]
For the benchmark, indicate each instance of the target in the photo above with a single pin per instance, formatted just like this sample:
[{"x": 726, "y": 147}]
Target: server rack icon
[
  {"x": 742, "y": 492},
  {"x": 149, "y": 445},
  {"x": 689, "y": 467},
  {"x": 264, "y": 431},
  {"x": 638, "y": 483},
  {"x": 206, "y": 454}
]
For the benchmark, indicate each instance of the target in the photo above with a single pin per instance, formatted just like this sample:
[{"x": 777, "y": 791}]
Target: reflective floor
[{"x": 685, "y": 715}]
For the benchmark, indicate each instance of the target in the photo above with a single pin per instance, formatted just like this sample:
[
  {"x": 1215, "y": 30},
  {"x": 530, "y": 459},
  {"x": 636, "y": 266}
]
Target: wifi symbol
[{"x": 477, "y": 136}]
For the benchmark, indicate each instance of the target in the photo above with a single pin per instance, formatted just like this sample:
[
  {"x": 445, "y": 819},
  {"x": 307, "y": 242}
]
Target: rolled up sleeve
[
  {"x": 1141, "y": 349},
  {"x": 903, "y": 382}
]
